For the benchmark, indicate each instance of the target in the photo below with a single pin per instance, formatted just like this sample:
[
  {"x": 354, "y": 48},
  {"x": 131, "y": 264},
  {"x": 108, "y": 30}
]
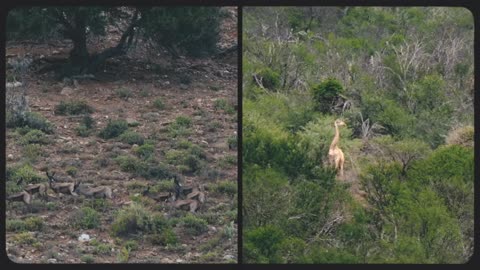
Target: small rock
[
  {"x": 52, "y": 260},
  {"x": 229, "y": 257},
  {"x": 84, "y": 237},
  {"x": 179, "y": 261},
  {"x": 212, "y": 228},
  {"x": 10, "y": 157},
  {"x": 183, "y": 86},
  {"x": 66, "y": 91}
]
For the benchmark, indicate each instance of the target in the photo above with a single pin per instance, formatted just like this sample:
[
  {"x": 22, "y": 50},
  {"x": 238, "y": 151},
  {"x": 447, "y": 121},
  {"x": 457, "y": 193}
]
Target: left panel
[{"x": 121, "y": 134}]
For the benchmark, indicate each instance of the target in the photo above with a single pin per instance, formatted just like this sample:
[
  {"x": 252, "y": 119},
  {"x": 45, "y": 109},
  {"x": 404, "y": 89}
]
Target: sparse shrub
[
  {"x": 32, "y": 152},
  {"x": 87, "y": 258},
  {"x": 72, "y": 171},
  {"x": 123, "y": 255},
  {"x": 32, "y": 120},
  {"x": 220, "y": 104},
  {"x": 34, "y": 136},
  {"x": 155, "y": 170},
  {"x": 228, "y": 187},
  {"x": 129, "y": 163},
  {"x": 103, "y": 249},
  {"x": 131, "y": 137},
  {"x": 34, "y": 223},
  {"x": 136, "y": 186},
  {"x": 167, "y": 237},
  {"x": 98, "y": 204},
  {"x": 15, "y": 225},
  {"x": 164, "y": 186},
  {"x": 24, "y": 238},
  {"x": 183, "y": 121},
  {"x": 232, "y": 142},
  {"x": 88, "y": 122},
  {"x": 25, "y": 173},
  {"x": 86, "y": 218},
  {"x": 124, "y": 93},
  {"x": 194, "y": 225},
  {"x": 114, "y": 129},
  {"x": 214, "y": 126},
  {"x": 131, "y": 245},
  {"x": 158, "y": 103},
  {"x": 130, "y": 220},
  {"x": 73, "y": 107},
  {"x": 83, "y": 131}
]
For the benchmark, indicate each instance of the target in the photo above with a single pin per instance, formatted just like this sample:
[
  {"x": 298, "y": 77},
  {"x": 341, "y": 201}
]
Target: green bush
[
  {"x": 15, "y": 225},
  {"x": 34, "y": 136},
  {"x": 270, "y": 79},
  {"x": 73, "y": 107},
  {"x": 130, "y": 164},
  {"x": 194, "y": 225},
  {"x": 227, "y": 187},
  {"x": 83, "y": 131},
  {"x": 325, "y": 93},
  {"x": 86, "y": 218},
  {"x": 25, "y": 173},
  {"x": 145, "y": 151},
  {"x": 87, "y": 258},
  {"x": 136, "y": 218},
  {"x": 183, "y": 121},
  {"x": 262, "y": 244},
  {"x": 114, "y": 129},
  {"x": 159, "y": 104},
  {"x": 232, "y": 143},
  {"x": 131, "y": 137},
  {"x": 32, "y": 120},
  {"x": 32, "y": 152},
  {"x": 166, "y": 237}
]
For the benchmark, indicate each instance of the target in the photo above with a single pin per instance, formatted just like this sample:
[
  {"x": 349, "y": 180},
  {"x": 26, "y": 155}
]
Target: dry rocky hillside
[{"x": 140, "y": 123}]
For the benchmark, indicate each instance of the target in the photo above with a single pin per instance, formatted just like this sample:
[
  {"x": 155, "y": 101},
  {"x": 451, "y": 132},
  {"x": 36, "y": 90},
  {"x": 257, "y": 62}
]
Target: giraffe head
[{"x": 340, "y": 123}]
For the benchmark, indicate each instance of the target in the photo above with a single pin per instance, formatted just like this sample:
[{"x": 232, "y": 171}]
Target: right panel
[{"x": 358, "y": 134}]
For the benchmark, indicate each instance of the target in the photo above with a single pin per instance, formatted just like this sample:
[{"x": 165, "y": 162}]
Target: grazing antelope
[
  {"x": 159, "y": 197},
  {"x": 189, "y": 204},
  {"x": 22, "y": 196},
  {"x": 64, "y": 188},
  {"x": 97, "y": 192}
]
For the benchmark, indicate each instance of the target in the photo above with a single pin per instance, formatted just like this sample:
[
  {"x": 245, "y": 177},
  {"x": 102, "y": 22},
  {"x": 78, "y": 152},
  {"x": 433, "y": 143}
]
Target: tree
[{"x": 179, "y": 30}]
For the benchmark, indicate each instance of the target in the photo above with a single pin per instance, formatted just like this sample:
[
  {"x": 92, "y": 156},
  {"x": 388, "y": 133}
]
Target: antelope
[
  {"x": 189, "y": 204},
  {"x": 41, "y": 189},
  {"x": 98, "y": 192},
  {"x": 21, "y": 196},
  {"x": 159, "y": 197},
  {"x": 32, "y": 189},
  {"x": 64, "y": 188}
]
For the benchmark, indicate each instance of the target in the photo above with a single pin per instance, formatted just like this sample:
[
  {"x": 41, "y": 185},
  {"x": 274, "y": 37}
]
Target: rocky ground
[{"x": 150, "y": 95}]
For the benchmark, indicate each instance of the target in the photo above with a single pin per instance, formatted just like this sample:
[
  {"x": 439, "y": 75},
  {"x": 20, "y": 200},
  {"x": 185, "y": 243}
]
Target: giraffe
[{"x": 335, "y": 154}]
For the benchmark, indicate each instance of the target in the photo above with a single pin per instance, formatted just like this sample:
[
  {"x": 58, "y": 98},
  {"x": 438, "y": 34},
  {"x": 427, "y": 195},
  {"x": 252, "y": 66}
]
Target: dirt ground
[{"x": 188, "y": 87}]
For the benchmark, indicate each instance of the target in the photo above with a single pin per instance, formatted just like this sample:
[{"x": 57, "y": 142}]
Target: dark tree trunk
[{"x": 80, "y": 61}]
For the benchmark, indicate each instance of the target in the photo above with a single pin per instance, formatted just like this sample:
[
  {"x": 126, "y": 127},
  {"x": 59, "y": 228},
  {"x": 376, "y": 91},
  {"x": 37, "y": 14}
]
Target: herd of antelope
[{"x": 186, "y": 197}]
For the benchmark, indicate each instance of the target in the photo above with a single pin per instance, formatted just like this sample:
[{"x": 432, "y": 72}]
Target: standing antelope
[{"x": 65, "y": 188}]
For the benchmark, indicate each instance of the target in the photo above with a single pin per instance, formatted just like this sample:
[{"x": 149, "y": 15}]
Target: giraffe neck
[{"x": 334, "y": 143}]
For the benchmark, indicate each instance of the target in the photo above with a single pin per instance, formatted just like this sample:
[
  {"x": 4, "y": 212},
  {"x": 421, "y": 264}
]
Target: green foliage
[
  {"x": 34, "y": 136},
  {"x": 194, "y": 225},
  {"x": 86, "y": 218},
  {"x": 135, "y": 219},
  {"x": 73, "y": 107},
  {"x": 72, "y": 171},
  {"x": 159, "y": 104},
  {"x": 166, "y": 237},
  {"x": 145, "y": 151},
  {"x": 268, "y": 78},
  {"x": 131, "y": 137},
  {"x": 180, "y": 127},
  {"x": 262, "y": 245},
  {"x": 114, "y": 129},
  {"x": 325, "y": 93},
  {"x": 29, "y": 224},
  {"x": 227, "y": 187},
  {"x": 31, "y": 120},
  {"x": 193, "y": 30}
]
